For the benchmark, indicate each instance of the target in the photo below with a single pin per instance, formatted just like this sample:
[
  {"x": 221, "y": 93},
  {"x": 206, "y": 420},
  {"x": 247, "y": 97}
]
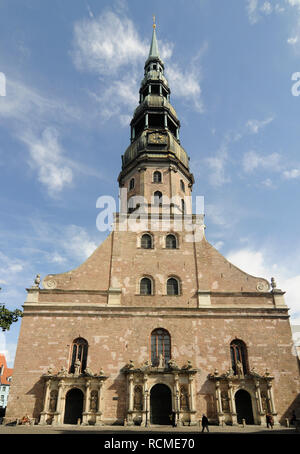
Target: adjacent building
[{"x": 5, "y": 380}]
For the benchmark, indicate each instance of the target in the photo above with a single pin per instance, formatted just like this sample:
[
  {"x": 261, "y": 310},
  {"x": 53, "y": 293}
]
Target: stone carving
[
  {"x": 77, "y": 366},
  {"x": 88, "y": 371},
  {"x": 63, "y": 372},
  {"x": 262, "y": 286},
  {"x": 37, "y": 281},
  {"x": 50, "y": 371},
  {"x": 184, "y": 398},
  {"x": 239, "y": 369},
  {"x": 53, "y": 400},
  {"x": 130, "y": 365},
  {"x": 225, "y": 401},
  {"x": 93, "y": 400},
  {"x": 50, "y": 285},
  {"x": 188, "y": 366},
  {"x": 138, "y": 398},
  {"x": 273, "y": 283},
  {"x": 229, "y": 373},
  {"x": 172, "y": 364},
  {"x": 161, "y": 361},
  {"x": 101, "y": 373}
]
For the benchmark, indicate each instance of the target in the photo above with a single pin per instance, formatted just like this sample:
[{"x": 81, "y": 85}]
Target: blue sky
[{"x": 72, "y": 73}]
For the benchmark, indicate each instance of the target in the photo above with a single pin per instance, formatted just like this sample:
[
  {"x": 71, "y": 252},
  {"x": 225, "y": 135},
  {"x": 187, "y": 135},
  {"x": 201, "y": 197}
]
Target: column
[
  {"x": 166, "y": 120},
  {"x": 60, "y": 402},
  {"x": 146, "y": 121},
  {"x": 146, "y": 407},
  {"x": 99, "y": 412},
  {"x": 46, "y": 399},
  {"x": 86, "y": 403},
  {"x": 232, "y": 404},
  {"x": 176, "y": 399},
  {"x": 130, "y": 405},
  {"x": 258, "y": 401},
  {"x": 271, "y": 398},
  {"x": 219, "y": 402},
  {"x": 191, "y": 392}
]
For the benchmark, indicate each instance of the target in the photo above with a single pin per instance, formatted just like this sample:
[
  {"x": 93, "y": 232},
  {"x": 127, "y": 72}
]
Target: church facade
[{"x": 156, "y": 322}]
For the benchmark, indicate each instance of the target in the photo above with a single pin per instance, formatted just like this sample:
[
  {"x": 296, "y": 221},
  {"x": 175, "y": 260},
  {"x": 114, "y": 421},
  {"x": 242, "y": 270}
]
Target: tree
[{"x": 8, "y": 317}]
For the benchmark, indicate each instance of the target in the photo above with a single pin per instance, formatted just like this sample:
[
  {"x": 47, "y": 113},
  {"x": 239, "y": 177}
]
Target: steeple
[
  {"x": 155, "y": 144},
  {"x": 154, "y": 53}
]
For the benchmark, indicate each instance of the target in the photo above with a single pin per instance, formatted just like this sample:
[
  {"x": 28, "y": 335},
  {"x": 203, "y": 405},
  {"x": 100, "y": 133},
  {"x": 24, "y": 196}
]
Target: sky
[{"x": 70, "y": 72}]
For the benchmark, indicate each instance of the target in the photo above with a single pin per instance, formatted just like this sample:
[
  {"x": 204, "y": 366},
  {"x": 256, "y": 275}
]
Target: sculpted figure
[
  {"x": 239, "y": 369},
  {"x": 77, "y": 365},
  {"x": 53, "y": 400},
  {"x": 161, "y": 361}
]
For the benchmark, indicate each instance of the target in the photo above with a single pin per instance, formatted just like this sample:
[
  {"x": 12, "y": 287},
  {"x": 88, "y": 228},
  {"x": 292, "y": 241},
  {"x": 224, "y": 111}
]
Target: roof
[{"x": 6, "y": 372}]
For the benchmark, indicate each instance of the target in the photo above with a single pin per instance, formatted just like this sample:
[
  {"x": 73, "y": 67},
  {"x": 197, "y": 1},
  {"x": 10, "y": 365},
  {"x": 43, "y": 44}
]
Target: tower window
[
  {"x": 182, "y": 185},
  {"x": 171, "y": 242},
  {"x": 157, "y": 198},
  {"x": 238, "y": 353},
  {"x": 160, "y": 345},
  {"x": 182, "y": 206},
  {"x": 146, "y": 286},
  {"x": 131, "y": 184},
  {"x": 157, "y": 177},
  {"x": 172, "y": 286},
  {"x": 79, "y": 354},
  {"x": 146, "y": 241}
]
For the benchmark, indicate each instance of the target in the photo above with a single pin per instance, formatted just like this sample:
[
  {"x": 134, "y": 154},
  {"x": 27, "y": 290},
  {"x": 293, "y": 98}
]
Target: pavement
[{"x": 136, "y": 430}]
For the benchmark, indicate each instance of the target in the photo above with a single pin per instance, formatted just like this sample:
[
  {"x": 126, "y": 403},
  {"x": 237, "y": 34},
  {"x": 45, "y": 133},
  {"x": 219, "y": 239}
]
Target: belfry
[{"x": 156, "y": 322}]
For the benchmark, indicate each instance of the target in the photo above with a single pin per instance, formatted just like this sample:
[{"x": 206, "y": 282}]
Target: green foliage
[{"x": 8, "y": 317}]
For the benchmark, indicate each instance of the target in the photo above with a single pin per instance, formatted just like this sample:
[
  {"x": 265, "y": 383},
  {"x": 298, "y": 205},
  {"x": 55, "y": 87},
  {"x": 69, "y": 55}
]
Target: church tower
[
  {"x": 155, "y": 165},
  {"x": 156, "y": 320}
]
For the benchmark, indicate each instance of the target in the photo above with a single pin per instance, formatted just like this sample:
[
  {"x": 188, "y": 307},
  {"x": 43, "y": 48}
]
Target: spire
[{"x": 154, "y": 47}]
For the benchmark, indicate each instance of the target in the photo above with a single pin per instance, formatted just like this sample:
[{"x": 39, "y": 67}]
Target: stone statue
[
  {"x": 184, "y": 398},
  {"x": 63, "y": 372},
  {"x": 101, "y": 372},
  {"x": 130, "y": 365},
  {"x": 50, "y": 371},
  {"x": 93, "y": 400},
  {"x": 225, "y": 401},
  {"x": 172, "y": 364},
  {"x": 229, "y": 373},
  {"x": 88, "y": 371},
  {"x": 53, "y": 400},
  {"x": 239, "y": 369},
  {"x": 273, "y": 283},
  {"x": 161, "y": 361},
  {"x": 77, "y": 365},
  {"x": 37, "y": 281}
]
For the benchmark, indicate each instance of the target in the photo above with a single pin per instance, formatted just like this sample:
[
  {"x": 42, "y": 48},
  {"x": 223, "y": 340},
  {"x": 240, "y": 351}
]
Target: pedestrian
[
  {"x": 204, "y": 423},
  {"x": 269, "y": 420}
]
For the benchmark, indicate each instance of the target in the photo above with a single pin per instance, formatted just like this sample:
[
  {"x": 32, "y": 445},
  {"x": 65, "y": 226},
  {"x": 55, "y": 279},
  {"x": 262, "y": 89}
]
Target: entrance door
[
  {"x": 243, "y": 407},
  {"x": 160, "y": 405},
  {"x": 74, "y": 406}
]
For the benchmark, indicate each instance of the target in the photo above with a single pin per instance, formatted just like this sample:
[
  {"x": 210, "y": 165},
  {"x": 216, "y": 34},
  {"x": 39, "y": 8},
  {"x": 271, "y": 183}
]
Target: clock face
[{"x": 157, "y": 138}]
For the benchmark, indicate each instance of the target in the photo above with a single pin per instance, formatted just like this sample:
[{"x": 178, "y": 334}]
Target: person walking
[
  {"x": 269, "y": 420},
  {"x": 204, "y": 423}
]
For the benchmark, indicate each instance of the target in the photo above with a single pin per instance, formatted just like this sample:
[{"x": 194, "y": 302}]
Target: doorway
[
  {"x": 160, "y": 405},
  {"x": 243, "y": 406},
  {"x": 74, "y": 406}
]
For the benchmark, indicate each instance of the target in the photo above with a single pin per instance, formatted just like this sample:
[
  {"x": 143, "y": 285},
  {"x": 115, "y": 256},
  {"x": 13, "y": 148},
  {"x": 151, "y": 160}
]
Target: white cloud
[
  {"x": 47, "y": 157},
  {"x": 254, "y": 126},
  {"x": 105, "y": 44},
  {"x": 291, "y": 174},
  {"x": 78, "y": 244},
  {"x": 293, "y": 40},
  {"x": 252, "y": 160},
  {"x": 257, "y": 8},
  {"x": 111, "y": 47},
  {"x": 257, "y": 263}
]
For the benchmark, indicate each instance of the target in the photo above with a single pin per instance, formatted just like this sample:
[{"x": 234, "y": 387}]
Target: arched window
[
  {"x": 171, "y": 242},
  {"x": 146, "y": 241},
  {"x": 160, "y": 345},
  {"x": 172, "y": 286},
  {"x": 131, "y": 184},
  {"x": 157, "y": 177},
  {"x": 146, "y": 286},
  {"x": 79, "y": 354},
  {"x": 182, "y": 185},
  {"x": 157, "y": 198},
  {"x": 238, "y": 353}
]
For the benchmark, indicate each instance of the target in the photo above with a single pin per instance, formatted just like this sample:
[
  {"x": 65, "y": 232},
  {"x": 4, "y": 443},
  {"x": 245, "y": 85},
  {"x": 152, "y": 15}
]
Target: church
[{"x": 156, "y": 322}]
